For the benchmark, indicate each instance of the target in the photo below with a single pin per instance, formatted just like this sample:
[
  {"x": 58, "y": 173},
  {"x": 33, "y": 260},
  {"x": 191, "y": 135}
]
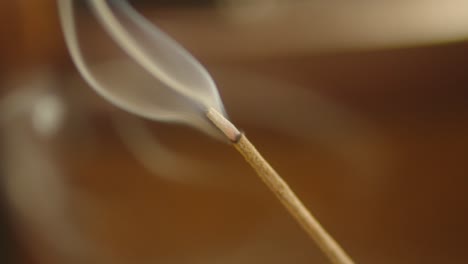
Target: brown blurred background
[{"x": 365, "y": 114}]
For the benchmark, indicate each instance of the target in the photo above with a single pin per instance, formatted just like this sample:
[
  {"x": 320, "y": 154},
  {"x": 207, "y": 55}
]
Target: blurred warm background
[{"x": 361, "y": 105}]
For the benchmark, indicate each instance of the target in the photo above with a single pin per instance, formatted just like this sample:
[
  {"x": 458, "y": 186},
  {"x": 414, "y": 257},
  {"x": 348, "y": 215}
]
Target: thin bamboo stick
[{"x": 280, "y": 188}]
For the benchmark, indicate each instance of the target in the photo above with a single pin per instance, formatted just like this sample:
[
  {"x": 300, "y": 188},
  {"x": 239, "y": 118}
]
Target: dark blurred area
[
  {"x": 362, "y": 107},
  {"x": 7, "y": 242}
]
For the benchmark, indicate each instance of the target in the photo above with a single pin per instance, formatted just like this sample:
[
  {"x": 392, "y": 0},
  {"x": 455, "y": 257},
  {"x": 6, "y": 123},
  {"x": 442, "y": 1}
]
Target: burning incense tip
[{"x": 228, "y": 129}]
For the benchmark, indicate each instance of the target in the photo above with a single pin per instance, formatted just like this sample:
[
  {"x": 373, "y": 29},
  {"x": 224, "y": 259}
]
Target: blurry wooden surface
[
  {"x": 29, "y": 34},
  {"x": 412, "y": 208}
]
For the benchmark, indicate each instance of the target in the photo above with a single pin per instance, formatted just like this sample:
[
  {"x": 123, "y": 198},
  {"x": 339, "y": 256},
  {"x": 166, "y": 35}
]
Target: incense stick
[{"x": 281, "y": 189}]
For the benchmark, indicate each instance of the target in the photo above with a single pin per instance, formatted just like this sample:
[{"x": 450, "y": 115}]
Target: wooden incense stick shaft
[
  {"x": 289, "y": 199},
  {"x": 281, "y": 189}
]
